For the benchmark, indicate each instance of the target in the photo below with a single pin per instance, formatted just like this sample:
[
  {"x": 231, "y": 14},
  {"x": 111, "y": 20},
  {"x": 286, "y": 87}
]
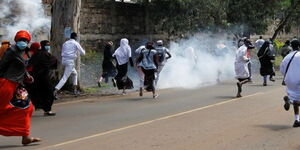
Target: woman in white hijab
[{"x": 123, "y": 56}]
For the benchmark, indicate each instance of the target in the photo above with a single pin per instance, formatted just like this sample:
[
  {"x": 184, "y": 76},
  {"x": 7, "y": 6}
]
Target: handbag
[
  {"x": 287, "y": 68},
  {"x": 20, "y": 99}
]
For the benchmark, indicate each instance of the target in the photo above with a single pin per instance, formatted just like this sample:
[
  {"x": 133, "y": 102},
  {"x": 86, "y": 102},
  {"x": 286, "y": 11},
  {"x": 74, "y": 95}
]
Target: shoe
[
  {"x": 286, "y": 103},
  {"x": 296, "y": 124},
  {"x": 30, "y": 140},
  {"x": 238, "y": 95},
  {"x": 99, "y": 84},
  {"x": 114, "y": 82},
  {"x": 264, "y": 84},
  {"x": 49, "y": 113},
  {"x": 155, "y": 96},
  {"x": 76, "y": 93},
  {"x": 272, "y": 79}
]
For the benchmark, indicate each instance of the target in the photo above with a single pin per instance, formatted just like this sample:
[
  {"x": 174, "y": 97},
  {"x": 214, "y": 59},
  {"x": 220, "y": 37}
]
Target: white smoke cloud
[
  {"x": 201, "y": 60},
  {"x": 24, "y": 15}
]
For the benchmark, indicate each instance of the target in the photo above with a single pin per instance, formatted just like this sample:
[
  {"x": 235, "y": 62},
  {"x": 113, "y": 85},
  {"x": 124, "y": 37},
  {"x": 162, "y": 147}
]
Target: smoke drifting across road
[
  {"x": 203, "y": 59},
  {"x": 24, "y": 15}
]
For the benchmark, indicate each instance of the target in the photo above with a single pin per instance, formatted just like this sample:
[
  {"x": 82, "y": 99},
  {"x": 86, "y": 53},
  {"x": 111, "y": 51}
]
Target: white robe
[
  {"x": 241, "y": 63},
  {"x": 123, "y": 53},
  {"x": 292, "y": 78}
]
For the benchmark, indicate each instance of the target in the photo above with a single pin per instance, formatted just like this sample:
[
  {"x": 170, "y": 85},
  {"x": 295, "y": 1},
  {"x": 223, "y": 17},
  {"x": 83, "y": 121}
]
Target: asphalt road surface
[{"x": 208, "y": 118}]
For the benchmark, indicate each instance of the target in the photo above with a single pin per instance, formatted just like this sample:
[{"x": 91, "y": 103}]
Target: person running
[
  {"x": 259, "y": 42},
  {"x": 164, "y": 55},
  {"x": 69, "y": 54},
  {"x": 108, "y": 67},
  {"x": 241, "y": 65},
  {"x": 139, "y": 68},
  {"x": 286, "y": 48},
  {"x": 123, "y": 56},
  {"x": 42, "y": 63},
  {"x": 289, "y": 67},
  {"x": 4, "y": 46},
  {"x": 266, "y": 55},
  {"x": 148, "y": 61},
  {"x": 15, "y": 117}
]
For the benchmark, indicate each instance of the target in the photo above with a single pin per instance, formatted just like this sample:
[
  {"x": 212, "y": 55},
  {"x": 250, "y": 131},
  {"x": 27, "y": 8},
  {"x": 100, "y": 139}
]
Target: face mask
[
  {"x": 47, "y": 48},
  {"x": 22, "y": 45}
]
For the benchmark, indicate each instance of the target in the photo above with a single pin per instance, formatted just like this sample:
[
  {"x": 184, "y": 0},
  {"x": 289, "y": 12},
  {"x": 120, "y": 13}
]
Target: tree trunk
[
  {"x": 283, "y": 22},
  {"x": 65, "y": 13}
]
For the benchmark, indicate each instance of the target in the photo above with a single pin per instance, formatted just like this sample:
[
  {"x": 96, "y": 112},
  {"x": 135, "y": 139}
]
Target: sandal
[{"x": 30, "y": 140}]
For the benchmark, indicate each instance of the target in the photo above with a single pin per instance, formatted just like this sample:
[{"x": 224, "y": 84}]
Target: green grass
[{"x": 95, "y": 89}]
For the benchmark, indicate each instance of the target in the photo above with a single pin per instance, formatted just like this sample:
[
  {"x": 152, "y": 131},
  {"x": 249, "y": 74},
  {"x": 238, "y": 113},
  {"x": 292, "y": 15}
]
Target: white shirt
[
  {"x": 70, "y": 49},
  {"x": 138, "y": 51},
  {"x": 292, "y": 78},
  {"x": 259, "y": 43},
  {"x": 241, "y": 63}
]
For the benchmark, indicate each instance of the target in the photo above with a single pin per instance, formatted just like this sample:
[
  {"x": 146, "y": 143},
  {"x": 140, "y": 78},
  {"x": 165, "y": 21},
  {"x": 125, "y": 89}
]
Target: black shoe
[
  {"x": 238, "y": 95},
  {"x": 296, "y": 124},
  {"x": 264, "y": 84},
  {"x": 99, "y": 84},
  {"x": 114, "y": 82},
  {"x": 49, "y": 113},
  {"x": 272, "y": 79},
  {"x": 286, "y": 103}
]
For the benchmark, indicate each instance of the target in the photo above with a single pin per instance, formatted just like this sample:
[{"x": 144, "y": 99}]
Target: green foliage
[
  {"x": 277, "y": 44},
  {"x": 91, "y": 56},
  {"x": 243, "y": 16}
]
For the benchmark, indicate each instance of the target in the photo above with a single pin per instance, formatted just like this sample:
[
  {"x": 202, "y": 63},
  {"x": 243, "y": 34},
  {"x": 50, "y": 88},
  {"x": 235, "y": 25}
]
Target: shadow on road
[
  {"x": 16, "y": 146},
  {"x": 225, "y": 97},
  {"x": 275, "y": 127}
]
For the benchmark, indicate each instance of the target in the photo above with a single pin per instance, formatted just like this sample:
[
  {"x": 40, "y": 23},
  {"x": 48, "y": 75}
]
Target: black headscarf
[{"x": 43, "y": 44}]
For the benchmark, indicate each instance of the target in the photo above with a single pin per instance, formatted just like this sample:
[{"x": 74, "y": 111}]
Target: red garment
[
  {"x": 13, "y": 121},
  {"x": 22, "y": 34},
  {"x": 34, "y": 48},
  {"x": 248, "y": 53}
]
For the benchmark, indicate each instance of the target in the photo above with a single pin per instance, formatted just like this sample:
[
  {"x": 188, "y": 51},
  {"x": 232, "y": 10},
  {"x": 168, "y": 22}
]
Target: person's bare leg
[
  {"x": 239, "y": 85},
  {"x": 141, "y": 91}
]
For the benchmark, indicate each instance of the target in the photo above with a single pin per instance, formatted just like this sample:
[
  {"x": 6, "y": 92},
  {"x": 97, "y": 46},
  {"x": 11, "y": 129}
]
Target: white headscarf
[{"x": 123, "y": 52}]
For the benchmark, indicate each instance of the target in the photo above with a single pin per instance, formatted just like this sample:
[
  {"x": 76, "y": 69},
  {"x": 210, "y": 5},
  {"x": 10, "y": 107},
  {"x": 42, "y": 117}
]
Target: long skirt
[
  {"x": 149, "y": 79},
  {"x": 42, "y": 92},
  {"x": 13, "y": 121},
  {"x": 123, "y": 81},
  {"x": 267, "y": 67}
]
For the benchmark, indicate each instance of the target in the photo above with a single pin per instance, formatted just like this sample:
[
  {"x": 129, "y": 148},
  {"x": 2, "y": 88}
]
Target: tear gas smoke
[
  {"x": 24, "y": 15},
  {"x": 200, "y": 60}
]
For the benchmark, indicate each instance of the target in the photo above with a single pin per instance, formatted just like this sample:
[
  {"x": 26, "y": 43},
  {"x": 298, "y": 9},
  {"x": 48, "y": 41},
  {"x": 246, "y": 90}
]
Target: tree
[
  {"x": 287, "y": 16},
  {"x": 65, "y": 13}
]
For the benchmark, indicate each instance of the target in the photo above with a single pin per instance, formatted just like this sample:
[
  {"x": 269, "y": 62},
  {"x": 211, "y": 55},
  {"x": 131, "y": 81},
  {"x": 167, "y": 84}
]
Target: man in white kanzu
[
  {"x": 69, "y": 54},
  {"x": 241, "y": 63},
  {"x": 290, "y": 69}
]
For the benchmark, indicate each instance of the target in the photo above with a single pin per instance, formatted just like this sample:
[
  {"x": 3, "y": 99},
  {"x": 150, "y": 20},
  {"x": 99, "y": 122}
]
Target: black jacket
[{"x": 12, "y": 65}]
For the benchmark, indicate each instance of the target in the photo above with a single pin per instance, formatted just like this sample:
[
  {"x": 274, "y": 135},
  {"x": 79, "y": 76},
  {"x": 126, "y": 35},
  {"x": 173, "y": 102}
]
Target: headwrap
[
  {"x": 35, "y": 47},
  {"x": 123, "y": 52},
  {"x": 22, "y": 34}
]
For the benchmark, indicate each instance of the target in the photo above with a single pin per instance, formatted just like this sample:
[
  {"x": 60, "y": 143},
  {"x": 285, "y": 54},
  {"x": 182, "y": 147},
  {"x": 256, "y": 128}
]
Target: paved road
[{"x": 192, "y": 119}]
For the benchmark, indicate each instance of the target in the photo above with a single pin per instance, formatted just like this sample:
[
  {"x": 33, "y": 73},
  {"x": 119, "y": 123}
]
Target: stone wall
[{"x": 105, "y": 20}]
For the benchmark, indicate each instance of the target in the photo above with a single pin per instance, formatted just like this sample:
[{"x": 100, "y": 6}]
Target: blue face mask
[
  {"x": 47, "y": 48},
  {"x": 22, "y": 45}
]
